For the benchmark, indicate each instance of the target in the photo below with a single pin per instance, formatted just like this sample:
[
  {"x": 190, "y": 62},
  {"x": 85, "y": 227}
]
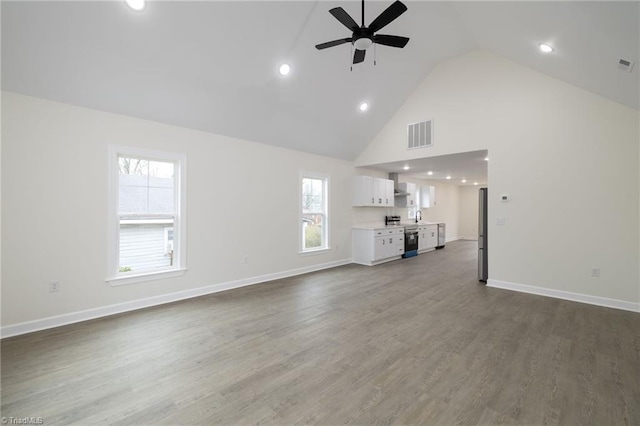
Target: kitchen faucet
[{"x": 418, "y": 215}]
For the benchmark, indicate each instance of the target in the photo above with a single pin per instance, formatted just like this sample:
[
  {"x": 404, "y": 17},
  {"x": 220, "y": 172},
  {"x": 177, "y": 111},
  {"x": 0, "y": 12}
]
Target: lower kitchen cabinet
[
  {"x": 427, "y": 238},
  {"x": 374, "y": 246}
]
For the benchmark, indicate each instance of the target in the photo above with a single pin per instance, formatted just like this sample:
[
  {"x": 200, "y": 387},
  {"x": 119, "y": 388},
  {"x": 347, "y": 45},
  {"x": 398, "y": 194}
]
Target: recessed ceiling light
[
  {"x": 475, "y": 183},
  {"x": 486, "y": 158},
  {"x": 406, "y": 167},
  {"x": 430, "y": 173},
  {"x": 545, "y": 48},
  {"x": 136, "y": 4},
  {"x": 464, "y": 181},
  {"x": 448, "y": 177},
  {"x": 364, "y": 106},
  {"x": 284, "y": 69}
]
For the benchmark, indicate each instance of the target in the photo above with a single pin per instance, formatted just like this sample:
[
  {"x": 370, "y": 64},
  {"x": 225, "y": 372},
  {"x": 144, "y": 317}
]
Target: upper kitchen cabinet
[
  {"x": 406, "y": 200},
  {"x": 363, "y": 191},
  {"x": 427, "y": 196},
  {"x": 372, "y": 192},
  {"x": 386, "y": 192}
]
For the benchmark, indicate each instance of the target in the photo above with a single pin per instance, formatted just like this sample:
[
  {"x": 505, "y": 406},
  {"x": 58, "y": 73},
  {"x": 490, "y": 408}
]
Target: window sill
[
  {"x": 315, "y": 251},
  {"x": 149, "y": 276}
]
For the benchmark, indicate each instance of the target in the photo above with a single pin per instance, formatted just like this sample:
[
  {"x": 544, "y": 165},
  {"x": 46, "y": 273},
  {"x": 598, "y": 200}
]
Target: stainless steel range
[
  {"x": 410, "y": 240},
  {"x": 410, "y": 235}
]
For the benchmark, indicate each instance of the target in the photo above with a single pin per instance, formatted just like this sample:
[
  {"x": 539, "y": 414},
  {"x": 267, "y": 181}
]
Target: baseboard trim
[
  {"x": 566, "y": 295},
  {"x": 89, "y": 314}
]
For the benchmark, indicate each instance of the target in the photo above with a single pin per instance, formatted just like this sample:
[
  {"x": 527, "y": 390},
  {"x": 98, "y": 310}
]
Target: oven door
[{"x": 410, "y": 240}]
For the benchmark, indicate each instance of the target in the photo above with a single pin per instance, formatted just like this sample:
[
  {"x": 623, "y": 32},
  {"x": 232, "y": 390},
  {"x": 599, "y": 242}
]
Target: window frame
[
  {"x": 179, "y": 267},
  {"x": 326, "y": 219}
]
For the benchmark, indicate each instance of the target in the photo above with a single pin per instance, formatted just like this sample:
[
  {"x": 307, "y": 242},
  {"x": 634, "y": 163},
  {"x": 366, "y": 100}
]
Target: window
[
  {"x": 314, "y": 221},
  {"x": 147, "y": 229}
]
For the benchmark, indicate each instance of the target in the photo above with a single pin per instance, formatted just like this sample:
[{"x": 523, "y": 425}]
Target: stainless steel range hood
[{"x": 396, "y": 192}]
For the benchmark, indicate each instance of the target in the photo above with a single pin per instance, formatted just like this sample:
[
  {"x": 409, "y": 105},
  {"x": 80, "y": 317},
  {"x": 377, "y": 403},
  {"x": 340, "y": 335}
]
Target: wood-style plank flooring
[{"x": 416, "y": 341}]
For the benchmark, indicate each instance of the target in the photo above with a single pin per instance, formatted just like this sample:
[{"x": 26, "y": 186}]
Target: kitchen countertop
[
  {"x": 381, "y": 225},
  {"x": 376, "y": 225}
]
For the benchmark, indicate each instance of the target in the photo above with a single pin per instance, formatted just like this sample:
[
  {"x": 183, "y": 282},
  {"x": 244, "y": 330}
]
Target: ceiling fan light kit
[
  {"x": 363, "y": 37},
  {"x": 363, "y": 43}
]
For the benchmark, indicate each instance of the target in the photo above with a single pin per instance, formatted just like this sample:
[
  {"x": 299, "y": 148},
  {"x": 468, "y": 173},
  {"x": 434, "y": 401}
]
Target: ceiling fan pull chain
[
  {"x": 374, "y": 54},
  {"x": 351, "y": 56}
]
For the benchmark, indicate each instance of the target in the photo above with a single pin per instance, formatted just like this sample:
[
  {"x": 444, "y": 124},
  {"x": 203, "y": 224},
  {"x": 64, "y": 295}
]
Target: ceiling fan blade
[
  {"x": 332, "y": 43},
  {"x": 358, "y": 56},
  {"x": 344, "y": 18},
  {"x": 391, "y": 40},
  {"x": 391, "y": 13}
]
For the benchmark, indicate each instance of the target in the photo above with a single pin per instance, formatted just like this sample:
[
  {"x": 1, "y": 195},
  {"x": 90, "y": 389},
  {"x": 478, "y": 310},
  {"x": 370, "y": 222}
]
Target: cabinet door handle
[
  {"x": 379, "y": 200},
  {"x": 373, "y": 201}
]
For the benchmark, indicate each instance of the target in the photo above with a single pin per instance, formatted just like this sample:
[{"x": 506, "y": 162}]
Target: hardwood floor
[{"x": 416, "y": 341}]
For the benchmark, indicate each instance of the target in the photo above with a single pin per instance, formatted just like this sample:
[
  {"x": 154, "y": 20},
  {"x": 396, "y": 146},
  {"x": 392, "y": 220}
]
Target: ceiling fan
[{"x": 363, "y": 37}]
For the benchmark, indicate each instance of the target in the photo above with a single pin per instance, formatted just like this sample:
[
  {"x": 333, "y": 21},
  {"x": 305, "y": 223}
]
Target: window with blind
[{"x": 147, "y": 213}]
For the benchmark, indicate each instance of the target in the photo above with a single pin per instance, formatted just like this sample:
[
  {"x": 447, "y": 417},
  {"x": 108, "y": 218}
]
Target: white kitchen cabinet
[
  {"x": 383, "y": 192},
  {"x": 374, "y": 246},
  {"x": 427, "y": 237},
  {"x": 363, "y": 191},
  {"x": 395, "y": 242},
  {"x": 432, "y": 237},
  {"x": 408, "y": 200},
  {"x": 422, "y": 238},
  {"x": 388, "y": 193},
  {"x": 427, "y": 196},
  {"x": 372, "y": 192},
  {"x": 379, "y": 192}
]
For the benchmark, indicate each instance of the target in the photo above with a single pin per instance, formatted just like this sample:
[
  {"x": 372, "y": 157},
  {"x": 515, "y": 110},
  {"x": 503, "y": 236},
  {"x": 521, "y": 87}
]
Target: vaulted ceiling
[{"x": 212, "y": 65}]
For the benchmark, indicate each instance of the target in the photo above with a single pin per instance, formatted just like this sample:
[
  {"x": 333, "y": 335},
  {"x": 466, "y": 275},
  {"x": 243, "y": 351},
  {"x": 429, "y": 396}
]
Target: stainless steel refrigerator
[{"x": 483, "y": 273}]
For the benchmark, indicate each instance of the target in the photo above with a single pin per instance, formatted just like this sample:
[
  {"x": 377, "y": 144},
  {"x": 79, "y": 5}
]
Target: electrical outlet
[
  {"x": 245, "y": 259},
  {"x": 595, "y": 272},
  {"x": 54, "y": 286}
]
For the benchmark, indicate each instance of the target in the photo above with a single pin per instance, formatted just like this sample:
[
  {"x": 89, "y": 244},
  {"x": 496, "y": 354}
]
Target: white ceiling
[
  {"x": 212, "y": 65},
  {"x": 471, "y": 166}
]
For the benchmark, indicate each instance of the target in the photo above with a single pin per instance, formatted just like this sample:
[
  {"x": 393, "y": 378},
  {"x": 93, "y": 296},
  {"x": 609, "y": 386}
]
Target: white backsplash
[{"x": 364, "y": 215}]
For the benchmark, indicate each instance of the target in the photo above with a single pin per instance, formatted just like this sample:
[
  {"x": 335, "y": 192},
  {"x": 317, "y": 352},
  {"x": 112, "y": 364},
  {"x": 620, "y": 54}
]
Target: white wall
[
  {"x": 568, "y": 158},
  {"x": 243, "y": 199},
  {"x": 446, "y": 208},
  {"x": 468, "y": 212}
]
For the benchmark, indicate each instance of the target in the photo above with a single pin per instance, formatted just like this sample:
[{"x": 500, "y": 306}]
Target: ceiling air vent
[
  {"x": 625, "y": 65},
  {"x": 420, "y": 135}
]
